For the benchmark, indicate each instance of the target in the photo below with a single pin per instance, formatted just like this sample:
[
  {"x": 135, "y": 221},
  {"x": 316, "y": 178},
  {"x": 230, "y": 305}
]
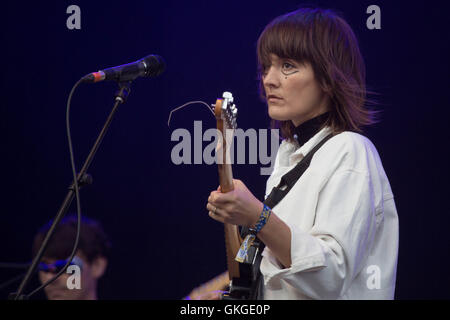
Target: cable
[
  {"x": 14, "y": 265},
  {"x": 11, "y": 281},
  {"x": 186, "y": 104},
  {"x": 77, "y": 194}
]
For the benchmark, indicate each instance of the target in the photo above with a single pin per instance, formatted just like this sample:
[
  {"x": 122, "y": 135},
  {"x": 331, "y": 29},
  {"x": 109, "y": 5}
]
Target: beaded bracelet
[
  {"x": 265, "y": 214},
  {"x": 248, "y": 241}
]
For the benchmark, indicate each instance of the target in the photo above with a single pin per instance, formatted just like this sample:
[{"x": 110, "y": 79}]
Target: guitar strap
[{"x": 276, "y": 195}]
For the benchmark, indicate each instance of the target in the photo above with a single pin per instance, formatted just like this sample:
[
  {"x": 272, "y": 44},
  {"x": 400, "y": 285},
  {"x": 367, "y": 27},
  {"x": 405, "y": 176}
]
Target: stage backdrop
[{"x": 164, "y": 243}]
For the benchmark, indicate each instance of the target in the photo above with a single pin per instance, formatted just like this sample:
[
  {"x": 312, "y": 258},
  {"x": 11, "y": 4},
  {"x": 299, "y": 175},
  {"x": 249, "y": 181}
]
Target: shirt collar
[
  {"x": 306, "y": 130},
  {"x": 310, "y": 135}
]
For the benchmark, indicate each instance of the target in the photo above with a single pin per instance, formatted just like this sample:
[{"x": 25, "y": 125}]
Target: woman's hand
[{"x": 238, "y": 207}]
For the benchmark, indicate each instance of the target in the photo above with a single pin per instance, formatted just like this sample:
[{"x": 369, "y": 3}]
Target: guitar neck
[{"x": 233, "y": 239}]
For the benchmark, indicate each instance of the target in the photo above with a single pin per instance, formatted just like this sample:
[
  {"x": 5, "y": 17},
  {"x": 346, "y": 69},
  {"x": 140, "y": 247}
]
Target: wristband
[
  {"x": 265, "y": 214},
  {"x": 248, "y": 241}
]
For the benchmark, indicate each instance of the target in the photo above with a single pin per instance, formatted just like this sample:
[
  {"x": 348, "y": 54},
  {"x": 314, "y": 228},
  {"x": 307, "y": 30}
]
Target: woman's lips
[{"x": 274, "y": 99}]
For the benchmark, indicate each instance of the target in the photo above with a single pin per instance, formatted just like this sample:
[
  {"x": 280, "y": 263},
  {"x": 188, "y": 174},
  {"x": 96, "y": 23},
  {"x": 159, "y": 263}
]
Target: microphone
[{"x": 150, "y": 66}]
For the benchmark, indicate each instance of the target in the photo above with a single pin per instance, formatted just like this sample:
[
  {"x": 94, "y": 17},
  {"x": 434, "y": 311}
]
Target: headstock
[{"x": 226, "y": 111}]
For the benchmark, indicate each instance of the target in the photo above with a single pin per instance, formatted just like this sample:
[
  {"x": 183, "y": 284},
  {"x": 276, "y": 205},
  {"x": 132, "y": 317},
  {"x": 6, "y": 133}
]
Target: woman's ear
[
  {"x": 326, "y": 88},
  {"x": 98, "y": 267}
]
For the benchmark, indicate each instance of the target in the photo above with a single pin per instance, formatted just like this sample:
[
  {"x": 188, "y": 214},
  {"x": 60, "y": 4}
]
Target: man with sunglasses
[{"x": 89, "y": 263}]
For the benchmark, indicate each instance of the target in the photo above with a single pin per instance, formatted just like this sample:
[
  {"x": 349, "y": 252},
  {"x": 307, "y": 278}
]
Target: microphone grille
[{"x": 155, "y": 65}]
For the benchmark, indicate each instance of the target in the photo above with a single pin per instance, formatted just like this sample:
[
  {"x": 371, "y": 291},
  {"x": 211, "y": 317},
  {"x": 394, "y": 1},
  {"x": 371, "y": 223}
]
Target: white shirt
[{"x": 343, "y": 222}]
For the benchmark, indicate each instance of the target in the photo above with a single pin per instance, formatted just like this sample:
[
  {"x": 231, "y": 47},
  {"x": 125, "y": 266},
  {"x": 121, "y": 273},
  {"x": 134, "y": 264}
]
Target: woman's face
[{"x": 292, "y": 91}]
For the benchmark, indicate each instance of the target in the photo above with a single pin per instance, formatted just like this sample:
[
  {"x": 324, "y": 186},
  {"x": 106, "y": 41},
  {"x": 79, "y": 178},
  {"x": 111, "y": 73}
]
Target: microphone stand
[{"x": 83, "y": 178}]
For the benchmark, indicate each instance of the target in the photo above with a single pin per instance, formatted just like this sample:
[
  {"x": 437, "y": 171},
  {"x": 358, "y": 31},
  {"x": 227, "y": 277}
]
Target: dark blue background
[{"x": 154, "y": 211}]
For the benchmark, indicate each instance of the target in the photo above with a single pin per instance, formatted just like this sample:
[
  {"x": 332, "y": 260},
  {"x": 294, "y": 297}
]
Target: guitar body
[{"x": 242, "y": 275}]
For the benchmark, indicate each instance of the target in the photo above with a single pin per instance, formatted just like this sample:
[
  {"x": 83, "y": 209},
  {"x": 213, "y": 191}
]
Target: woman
[{"x": 335, "y": 234}]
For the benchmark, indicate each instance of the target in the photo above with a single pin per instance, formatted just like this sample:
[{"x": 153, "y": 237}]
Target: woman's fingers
[
  {"x": 215, "y": 212},
  {"x": 220, "y": 198},
  {"x": 216, "y": 217},
  {"x": 211, "y": 208}
]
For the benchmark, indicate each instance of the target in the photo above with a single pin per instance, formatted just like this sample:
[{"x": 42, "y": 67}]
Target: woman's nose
[{"x": 271, "y": 78}]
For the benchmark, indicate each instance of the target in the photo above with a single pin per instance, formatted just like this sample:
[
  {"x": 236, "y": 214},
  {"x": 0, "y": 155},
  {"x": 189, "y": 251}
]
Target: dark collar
[{"x": 308, "y": 129}]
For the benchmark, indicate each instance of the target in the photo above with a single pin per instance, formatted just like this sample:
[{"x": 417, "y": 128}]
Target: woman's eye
[{"x": 287, "y": 66}]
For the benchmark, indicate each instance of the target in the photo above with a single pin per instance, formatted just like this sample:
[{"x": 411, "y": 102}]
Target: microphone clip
[{"x": 123, "y": 92}]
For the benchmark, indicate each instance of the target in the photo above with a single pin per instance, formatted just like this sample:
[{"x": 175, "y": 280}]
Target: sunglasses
[{"x": 56, "y": 266}]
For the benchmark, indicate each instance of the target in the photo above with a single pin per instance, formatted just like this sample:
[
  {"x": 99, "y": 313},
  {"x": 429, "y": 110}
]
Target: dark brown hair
[
  {"x": 93, "y": 241},
  {"x": 322, "y": 38}
]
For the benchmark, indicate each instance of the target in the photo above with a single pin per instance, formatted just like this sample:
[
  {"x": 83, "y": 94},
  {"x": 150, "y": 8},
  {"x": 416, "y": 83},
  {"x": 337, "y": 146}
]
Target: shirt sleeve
[{"x": 326, "y": 259}]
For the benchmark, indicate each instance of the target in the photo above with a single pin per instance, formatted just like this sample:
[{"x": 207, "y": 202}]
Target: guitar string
[{"x": 186, "y": 104}]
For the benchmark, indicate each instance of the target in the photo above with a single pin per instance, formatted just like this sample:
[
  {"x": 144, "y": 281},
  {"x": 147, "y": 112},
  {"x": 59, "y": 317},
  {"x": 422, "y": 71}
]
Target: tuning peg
[{"x": 227, "y": 95}]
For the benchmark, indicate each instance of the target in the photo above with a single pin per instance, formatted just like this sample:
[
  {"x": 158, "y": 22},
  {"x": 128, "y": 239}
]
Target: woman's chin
[{"x": 278, "y": 116}]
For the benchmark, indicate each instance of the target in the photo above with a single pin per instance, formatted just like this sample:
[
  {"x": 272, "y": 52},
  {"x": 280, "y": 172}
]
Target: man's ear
[{"x": 98, "y": 266}]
